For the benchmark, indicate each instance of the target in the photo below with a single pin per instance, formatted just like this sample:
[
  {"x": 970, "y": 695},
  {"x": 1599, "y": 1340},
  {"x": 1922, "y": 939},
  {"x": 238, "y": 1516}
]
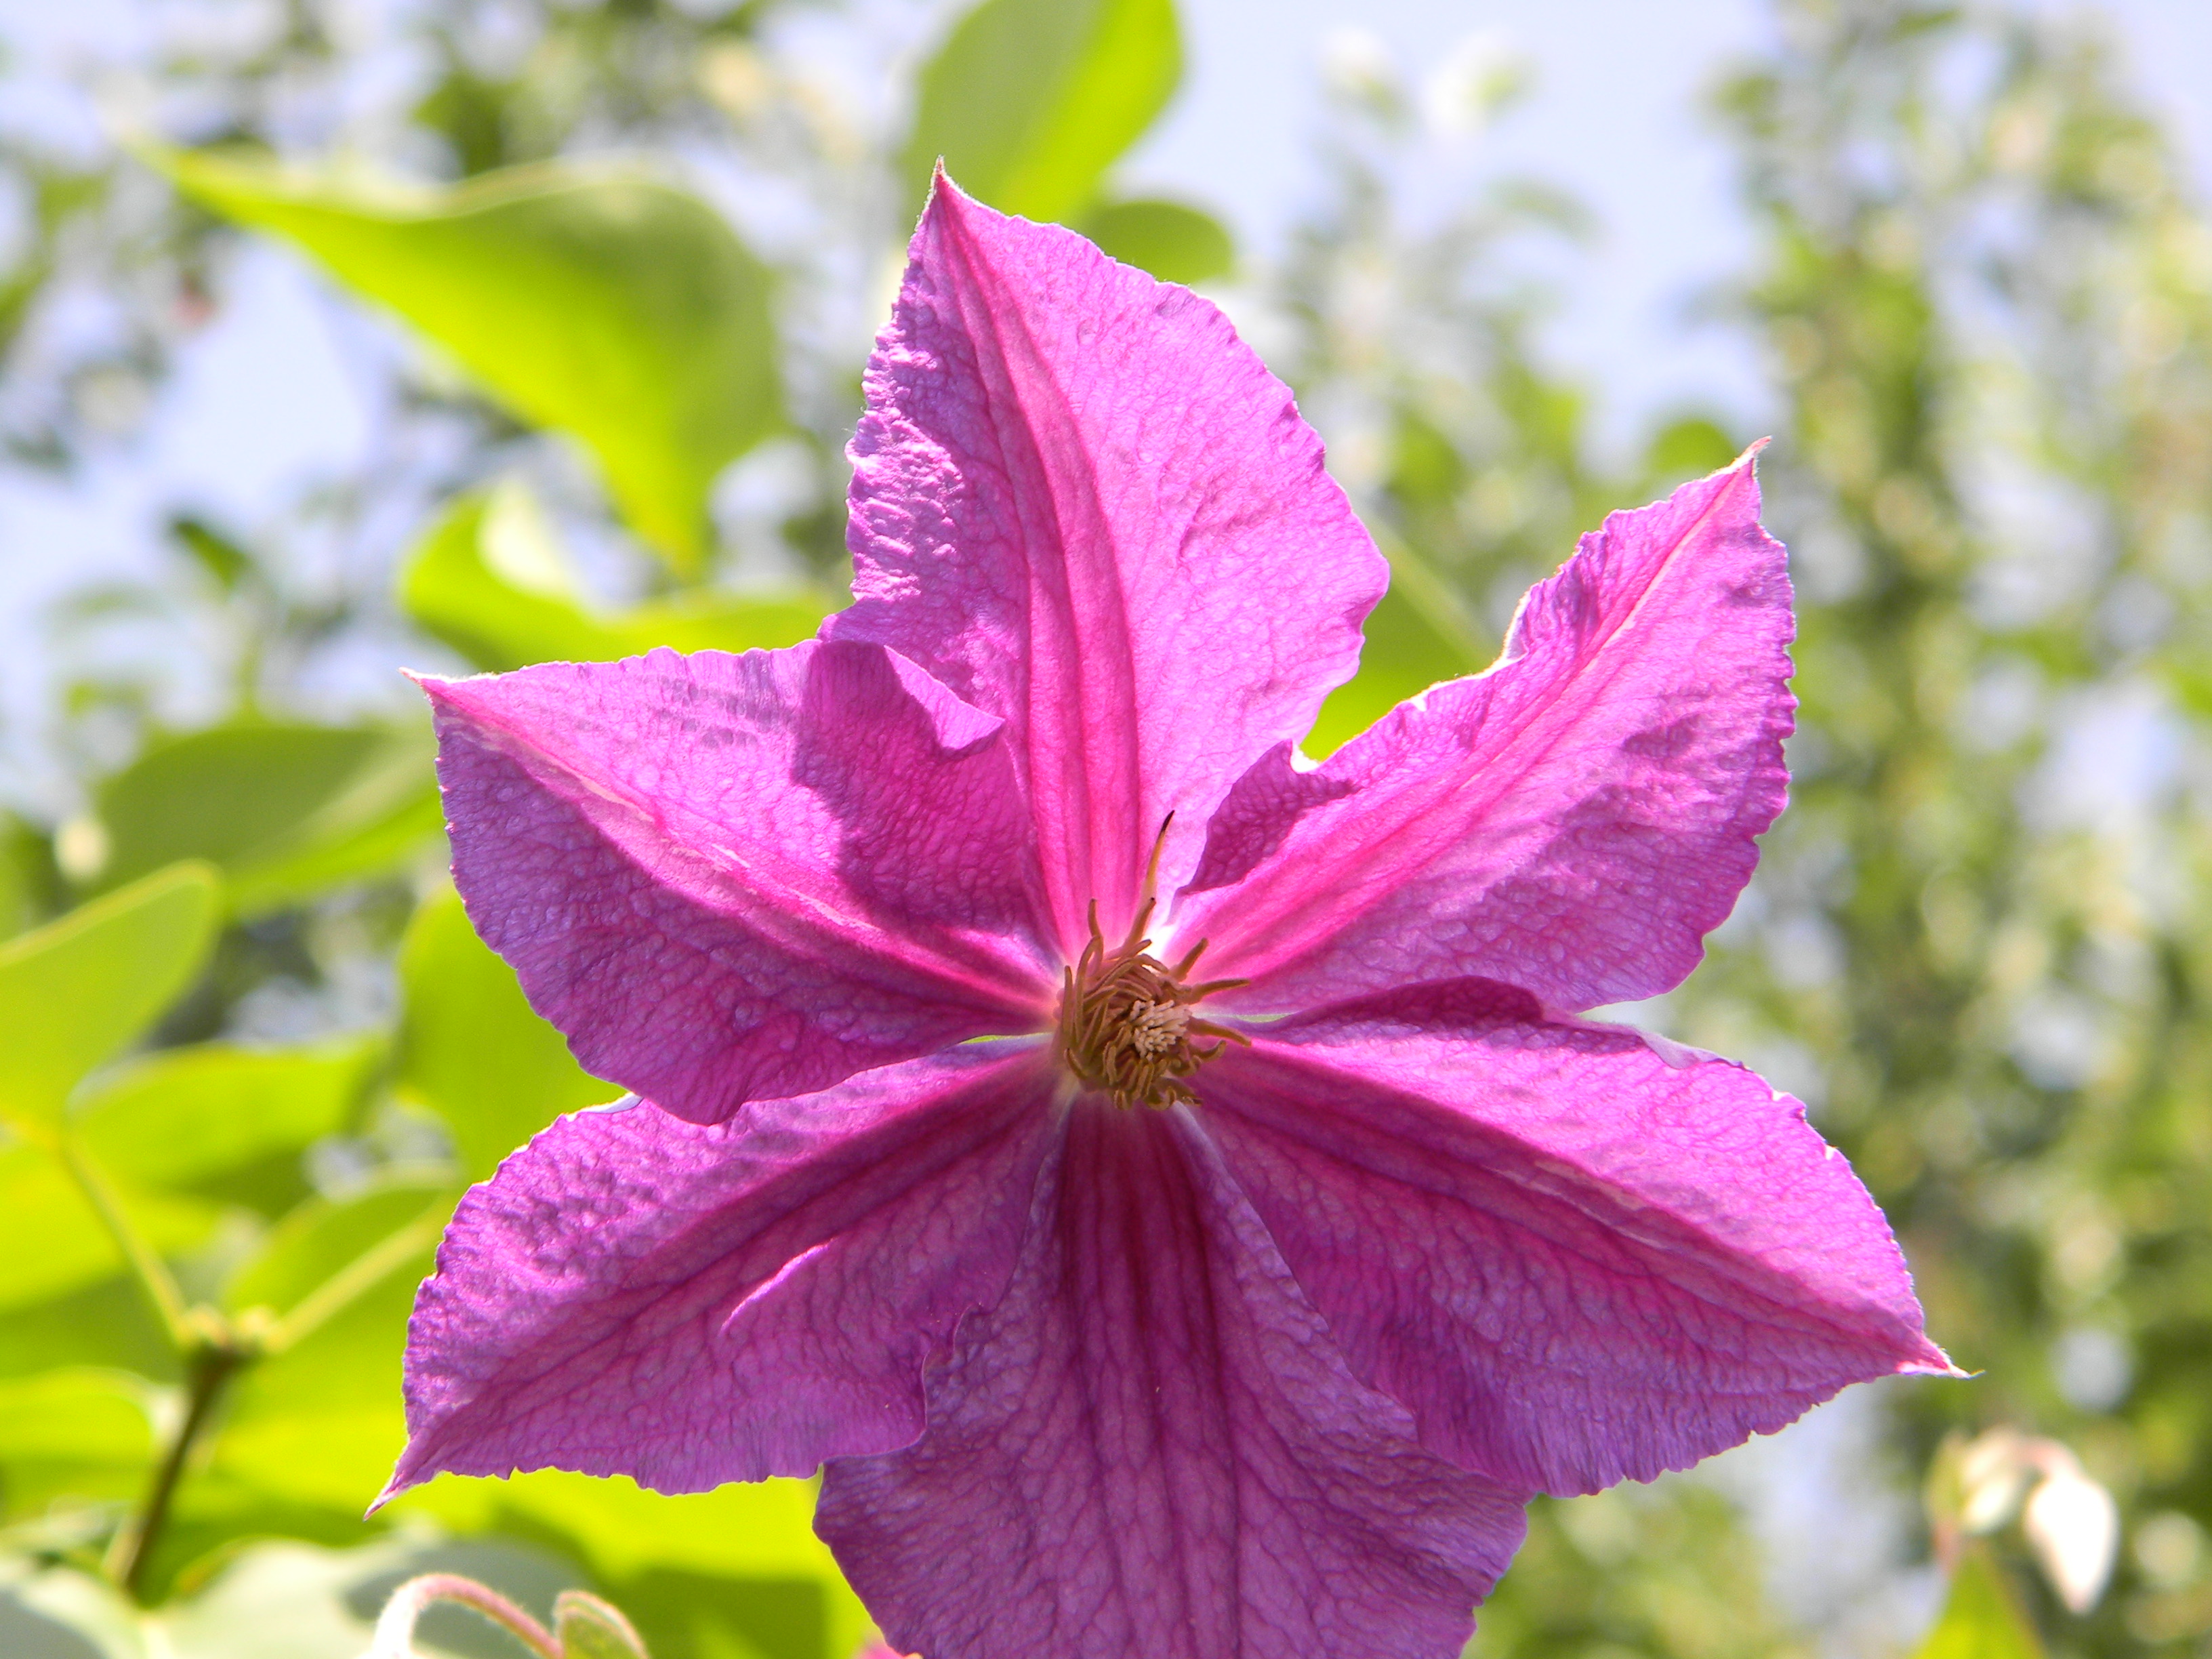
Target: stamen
[{"x": 1126, "y": 1028}]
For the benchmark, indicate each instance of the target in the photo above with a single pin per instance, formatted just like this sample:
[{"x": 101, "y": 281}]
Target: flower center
[{"x": 1126, "y": 1028}]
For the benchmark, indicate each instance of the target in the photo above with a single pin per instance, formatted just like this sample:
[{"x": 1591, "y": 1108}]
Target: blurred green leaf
[
  {"x": 491, "y": 581},
  {"x": 105, "y": 1321},
  {"x": 1689, "y": 447},
  {"x": 470, "y": 1049},
  {"x": 1980, "y": 1618},
  {"x": 320, "y": 1424},
  {"x": 83, "y": 1431},
  {"x": 1414, "y": 638},
  {"x": 215, "y": 1118},
  {"x": 323, "y": 1236},
  {"x": 76, "y": 991},
  {"x": 52, "y": 1241},
  {"x": 1029, "y": 104},
  {"x": 224, "y": 559},
  {"x": 742, "y": 1559},
  {"x": 604, "y": 304},
  {"x": 588, "y": 1628},
  {"x": 285, "y": 811},
  {"x": 1174, "y": 242}
]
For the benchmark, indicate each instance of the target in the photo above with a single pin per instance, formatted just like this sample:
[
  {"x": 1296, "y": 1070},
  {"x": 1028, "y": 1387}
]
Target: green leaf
[
  {"x": 742, "y": 1559},
  {"x": 324, "y": 1236},
  {"x": 491, "y": 581},
  {"x": 1028, "y": 104},
  {"x": 105, "y": 1322},
  {"x": 587, "y": 1628},
  {"x": 227, "y": 1122},
  {"x": 470, "y": 1049},
  {"x": 602, "y": 303},
  {"x": 80, "y": 1432},
  {"x": 1414, "y": 638},
  {"x": 221, "y": 558},
  {"x": 320, "y": 1424},
  {"x": 1174, "y": 242},
  {"x": 52, "y": 1241},
  {"x": 1689, "y": 446},
  {"x": 1980, "y": 1618},
  {"x": 285, "y": 811},
  {"x": 75, "y": 992}
]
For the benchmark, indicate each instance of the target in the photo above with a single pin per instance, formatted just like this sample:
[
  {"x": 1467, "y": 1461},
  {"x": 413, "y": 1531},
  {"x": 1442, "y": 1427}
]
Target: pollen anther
[{"x": 1126, "y": 1026}]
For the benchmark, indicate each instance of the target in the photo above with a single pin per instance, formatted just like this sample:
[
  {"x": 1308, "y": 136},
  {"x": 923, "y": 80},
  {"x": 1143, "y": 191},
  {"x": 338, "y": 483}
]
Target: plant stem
[
  {"x": 211, "y": 1363},
  {"x": 363, "y": 1274},
  {"x": 153, "y": 1274},
  {"x": 395, "y": 1629}
]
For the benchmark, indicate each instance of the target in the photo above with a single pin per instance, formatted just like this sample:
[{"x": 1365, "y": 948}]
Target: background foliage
[{"x": 254, "y": 1051}]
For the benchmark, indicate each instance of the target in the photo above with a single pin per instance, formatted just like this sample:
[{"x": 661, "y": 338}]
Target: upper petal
[
  {"x": 726, "y": 877},
  {"x": 688, "y": 1304},
  {"x": 1574, "y": 1260},
  {"x": 1079, "y": 501},
  {"x": 1573, "y": 822},
  {"x": 1150, "y": 1450}
]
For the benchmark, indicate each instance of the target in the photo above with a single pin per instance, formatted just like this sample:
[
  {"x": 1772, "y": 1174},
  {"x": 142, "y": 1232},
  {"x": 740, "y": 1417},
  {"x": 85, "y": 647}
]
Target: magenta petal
[
  {"x": 1572, "y": 822},
  {"x": 688, "y": 1305},
  {"x": 728, "y": 877},
  {"x": 1082, "y": 503},
  {"x": 1575, "y": 1261},
  {"x": 1151, "y": 1447}
]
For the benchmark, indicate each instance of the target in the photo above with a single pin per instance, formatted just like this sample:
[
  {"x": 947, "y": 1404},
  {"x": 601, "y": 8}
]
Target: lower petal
[
  {"x": 687, "y": 1305},
  {"x": 1574, "y": 1259},
  {"x": 1151, "y": 1447}
]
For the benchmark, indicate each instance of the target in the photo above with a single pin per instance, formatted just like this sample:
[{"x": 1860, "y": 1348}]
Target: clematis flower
[{"x": 1167, "y": 1188}]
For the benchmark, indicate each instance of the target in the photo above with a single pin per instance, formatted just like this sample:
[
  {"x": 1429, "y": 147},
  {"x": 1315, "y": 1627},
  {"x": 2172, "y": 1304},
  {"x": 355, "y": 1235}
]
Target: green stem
[
  {"x": 153, "y": 1274},
  {"x": 363, "y": 1274},
  {"x": 209, "y": 1364}
]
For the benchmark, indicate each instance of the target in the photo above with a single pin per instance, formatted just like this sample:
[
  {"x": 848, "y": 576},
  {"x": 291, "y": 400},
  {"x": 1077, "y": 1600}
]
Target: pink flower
[{"x": 1143, "y": 1299}]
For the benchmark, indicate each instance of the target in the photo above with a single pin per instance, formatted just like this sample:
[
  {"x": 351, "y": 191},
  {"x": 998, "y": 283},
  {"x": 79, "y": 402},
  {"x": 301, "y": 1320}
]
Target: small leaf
[
  {"x": 490, "y": 580},
  {"x": 224, "y": 559},
  {"x": 284, "y": 810},
  {"x": 1980, "y": 1618},
  {"x": 76, "y": 991},
  {"x": 604, "y": 304},
  {"x": 588, "y": 1628},
  {"x": 1174, "y": 242},
  {"x": 1029, "y": 104}
]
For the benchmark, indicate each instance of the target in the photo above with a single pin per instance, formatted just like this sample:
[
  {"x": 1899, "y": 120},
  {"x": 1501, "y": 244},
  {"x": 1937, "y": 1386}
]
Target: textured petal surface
[
  {"x": 1082, "y": 503},
  {"x": 688, "y": 1303},
  {"x": 728, "y": 877},
  {"x": 1574, "y": 1260},
  {"x": 1572, "y": 822},
  {"x": 1152, "y": 1447}
]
